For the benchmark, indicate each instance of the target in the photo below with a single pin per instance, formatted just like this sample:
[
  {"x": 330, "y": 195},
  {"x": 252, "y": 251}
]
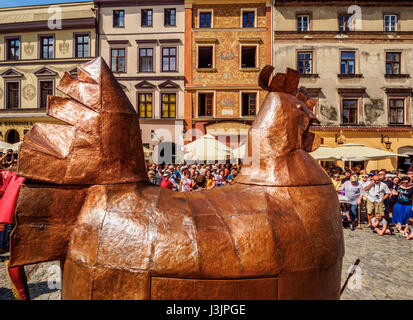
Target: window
[
  {"x": 146, "y": 16},
  {"x": 303, "y": 23},
  {"x": 205, "y": 19},
  {"x": 13, "y": 49},
  {"x": 305, "y": 62},
  {"x": 168, "y": 105},
  {"x": 348, "y": 62},
  {"x": 168, "y": 59},
  {"x": 390, "y": 22},
  {"x": 118, "y": 60},
  {"x": 249, "y": 104},
  {"x": 344, "y": 22},
  {"x": 350, "y": 111},
  {"x": 46, "y": 47},
  {"x": 248, "y": 57},
  {"x": 82, "y": 46},
  {"x": 170, "y": 17},
  {"x": 205, "y": 59},
  {"x": 396, "y": 111},
  {"x": 12, "y": 95},
  {"x": 146, "y": 60},
  {"x": 118, "y": 18},
  {"x": 393, "y": 62},
  {"x": 145, "y": 105},
  {"x": 205, "y": 104},
  {"x": 248, "y": 19},
  {"x": 46, "y": 89}
]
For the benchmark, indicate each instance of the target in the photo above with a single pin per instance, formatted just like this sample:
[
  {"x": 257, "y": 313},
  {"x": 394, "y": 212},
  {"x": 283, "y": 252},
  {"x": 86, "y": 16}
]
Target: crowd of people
[
  {"x": 195, "y": 177},
  {"x": 384, "y": 197}
]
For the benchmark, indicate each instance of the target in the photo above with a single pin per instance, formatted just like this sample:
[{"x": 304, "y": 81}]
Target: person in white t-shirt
[{"x": 377, "y": 192}]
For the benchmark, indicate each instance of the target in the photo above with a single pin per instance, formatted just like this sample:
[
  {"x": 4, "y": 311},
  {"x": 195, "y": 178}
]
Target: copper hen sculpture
[{"x": 275, "y": 234}]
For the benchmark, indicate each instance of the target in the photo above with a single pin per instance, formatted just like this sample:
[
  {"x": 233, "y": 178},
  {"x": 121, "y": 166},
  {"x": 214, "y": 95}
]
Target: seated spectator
[
  {"x": 336, "y": 182},
  {"x": 195, "y": 175},
  {"x": 210, "y": 180},
  {"x": 345, "y": 215},
  {"x": 220, "y": 180},
  {"x": 186, "y": 182},
  {"x": 200, "y": 182},
  {"x": 231, "y": 176},
  {"x": 379, "y": 225}
]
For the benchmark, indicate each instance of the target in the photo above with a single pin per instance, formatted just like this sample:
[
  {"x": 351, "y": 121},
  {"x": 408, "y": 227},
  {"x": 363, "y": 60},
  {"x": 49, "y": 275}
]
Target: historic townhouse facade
[
  {"x": 35, "y": 51},
  {"x": 143, "y": 43},
  {"x": 357, "y": 65},
  {"x": 226, "y": 45}
]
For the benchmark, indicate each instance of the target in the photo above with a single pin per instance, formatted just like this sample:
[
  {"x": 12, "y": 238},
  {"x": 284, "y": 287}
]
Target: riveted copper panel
[{"x": 195, "y": 289}]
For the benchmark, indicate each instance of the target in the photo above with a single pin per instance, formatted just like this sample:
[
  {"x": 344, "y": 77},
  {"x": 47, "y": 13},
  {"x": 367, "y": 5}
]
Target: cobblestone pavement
[{"x": 386, "y": 270}]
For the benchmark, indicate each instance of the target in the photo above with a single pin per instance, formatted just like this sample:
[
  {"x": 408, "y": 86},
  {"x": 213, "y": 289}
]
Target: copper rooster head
[
  {"x": 293, "y": 108},
  {"x": 279, "y": 139},
  {"x": 101, "y": 140}
]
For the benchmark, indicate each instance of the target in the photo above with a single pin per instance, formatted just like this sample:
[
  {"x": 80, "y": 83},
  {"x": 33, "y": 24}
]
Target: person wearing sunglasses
[
  {"x": 402, "y": 210},
  {"x": 336, "y": 182},
  {"x": 377, "y": 192}
]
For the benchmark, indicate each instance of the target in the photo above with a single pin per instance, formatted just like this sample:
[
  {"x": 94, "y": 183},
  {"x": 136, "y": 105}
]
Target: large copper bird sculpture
[{"x": 275, "y": 234}]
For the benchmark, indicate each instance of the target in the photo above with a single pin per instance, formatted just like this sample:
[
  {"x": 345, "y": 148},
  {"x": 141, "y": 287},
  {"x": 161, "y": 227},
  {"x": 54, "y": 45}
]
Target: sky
[{"x": 17, "y": 3}]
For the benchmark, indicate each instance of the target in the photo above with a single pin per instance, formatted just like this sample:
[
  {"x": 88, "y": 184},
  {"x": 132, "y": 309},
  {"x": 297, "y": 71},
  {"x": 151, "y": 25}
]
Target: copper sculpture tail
[{"x": 101, "y": 141}]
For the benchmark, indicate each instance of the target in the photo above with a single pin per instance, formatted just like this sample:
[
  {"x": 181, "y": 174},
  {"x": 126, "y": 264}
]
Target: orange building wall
[{"x": 227, "y": 78}]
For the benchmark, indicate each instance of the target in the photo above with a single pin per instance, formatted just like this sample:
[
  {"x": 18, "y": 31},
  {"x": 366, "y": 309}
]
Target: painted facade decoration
[{"x": 227, "y": 79}]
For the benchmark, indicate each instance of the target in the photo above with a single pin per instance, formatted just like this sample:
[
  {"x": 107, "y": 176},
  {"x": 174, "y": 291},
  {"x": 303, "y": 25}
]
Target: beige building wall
[
  {"x": 371, "y": 87},
  {"x": 370, "y": 62},
  {"x": 29, "y": 23},
  {"x": 132, "y": 37},
  {"x": 326, "y": 17}
]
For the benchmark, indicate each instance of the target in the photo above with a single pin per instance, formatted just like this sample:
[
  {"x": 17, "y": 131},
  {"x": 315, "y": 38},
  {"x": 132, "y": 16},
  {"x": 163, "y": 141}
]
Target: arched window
[
  {"x": 12, "y": 136},
  {"x": 404, "y": 163}
]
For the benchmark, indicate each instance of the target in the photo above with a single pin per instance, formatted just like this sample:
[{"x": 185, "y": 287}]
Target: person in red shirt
[{"x": 166, "y": 183}]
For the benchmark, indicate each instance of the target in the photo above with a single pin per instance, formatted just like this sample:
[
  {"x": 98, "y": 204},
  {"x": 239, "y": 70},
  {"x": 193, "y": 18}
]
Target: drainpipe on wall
[
  {"x": 272, "y": 32},
  {"x": 97, "y": 44}
]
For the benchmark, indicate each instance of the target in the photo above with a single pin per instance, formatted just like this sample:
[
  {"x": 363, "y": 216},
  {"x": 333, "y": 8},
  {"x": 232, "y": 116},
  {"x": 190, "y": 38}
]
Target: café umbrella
[
  {"x": 206, "y": 148},
  {"x": 360, "y": 152}
]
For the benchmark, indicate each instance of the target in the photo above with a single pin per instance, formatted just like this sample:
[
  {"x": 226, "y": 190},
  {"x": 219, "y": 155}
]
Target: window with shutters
[
  {"x": 168, "y": 109},
  {"x": 249, "y": 104},
  {"x": 349, "y": 111},
  {"x": 145, "y": 105},
  {"x": 205, "y": 104},
  {"x": 146, "y": 60},
  {"x": 118, "y": 18},
  {"x": 170, "y": 17},
  {"x": 146, "y": 17},
  {"x": 396, "y": 111},
  {"x": 46, "y": 89},
  {"x": 205, "y": 58},
  {"x": 118, "y": 60},
  {"x": 393, "y": 62},
  {"x": 12, "y": 95},
  {"x": 13, "y": 49}
]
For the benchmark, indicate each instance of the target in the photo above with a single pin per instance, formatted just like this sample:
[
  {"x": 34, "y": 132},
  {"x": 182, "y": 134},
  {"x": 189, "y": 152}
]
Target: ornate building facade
[
  {"x": 354, "y": 56},
  {"x": 37, "y": 45},
  {"x": 226, "y": 45}
]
